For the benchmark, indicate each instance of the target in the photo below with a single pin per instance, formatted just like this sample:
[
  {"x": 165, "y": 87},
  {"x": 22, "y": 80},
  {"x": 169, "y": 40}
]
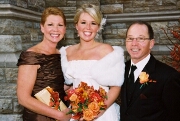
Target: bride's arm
[{"x": 112, "y": 95}]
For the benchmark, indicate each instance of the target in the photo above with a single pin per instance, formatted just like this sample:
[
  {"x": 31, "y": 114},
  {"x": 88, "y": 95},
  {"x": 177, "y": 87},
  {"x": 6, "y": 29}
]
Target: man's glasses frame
[{"x": 138, "y": 39}]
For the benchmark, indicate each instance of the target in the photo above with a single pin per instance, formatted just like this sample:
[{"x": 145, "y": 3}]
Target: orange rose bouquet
[{"x": 86, "y": 102}]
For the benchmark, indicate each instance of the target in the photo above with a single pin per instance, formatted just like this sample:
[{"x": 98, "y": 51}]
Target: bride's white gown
[{"x": 109, "y": 71}]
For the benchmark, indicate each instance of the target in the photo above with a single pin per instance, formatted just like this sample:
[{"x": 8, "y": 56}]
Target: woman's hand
[
  {"x": 65, "y": 116},
  {"x": 101, "y": 113}
]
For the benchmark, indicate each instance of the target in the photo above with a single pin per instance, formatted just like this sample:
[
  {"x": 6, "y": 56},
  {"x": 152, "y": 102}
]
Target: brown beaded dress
[{"x": 49, "y": 74}]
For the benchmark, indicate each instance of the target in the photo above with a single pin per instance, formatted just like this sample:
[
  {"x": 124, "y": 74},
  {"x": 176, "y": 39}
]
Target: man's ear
[{"x": 152, "y": 42}]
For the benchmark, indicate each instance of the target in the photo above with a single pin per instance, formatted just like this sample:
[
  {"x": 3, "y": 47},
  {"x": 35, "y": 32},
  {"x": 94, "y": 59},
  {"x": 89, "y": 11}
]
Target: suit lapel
[{"x": 149, "y": 69}]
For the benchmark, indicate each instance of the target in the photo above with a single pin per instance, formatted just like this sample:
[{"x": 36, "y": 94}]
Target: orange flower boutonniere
[{"x": 144, "y": 79}]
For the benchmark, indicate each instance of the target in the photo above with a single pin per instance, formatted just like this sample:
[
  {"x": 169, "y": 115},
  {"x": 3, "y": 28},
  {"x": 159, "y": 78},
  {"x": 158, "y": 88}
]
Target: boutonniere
[{"x": 144, "y": 79}]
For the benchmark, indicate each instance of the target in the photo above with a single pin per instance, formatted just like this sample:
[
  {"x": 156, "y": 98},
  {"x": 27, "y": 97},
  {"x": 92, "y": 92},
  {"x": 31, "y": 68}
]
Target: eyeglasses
[{"x": 138, "y": 39}]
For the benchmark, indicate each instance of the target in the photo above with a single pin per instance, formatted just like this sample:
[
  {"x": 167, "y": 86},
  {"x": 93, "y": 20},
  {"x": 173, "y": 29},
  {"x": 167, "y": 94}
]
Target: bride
[{"x": 97, "y": 64}]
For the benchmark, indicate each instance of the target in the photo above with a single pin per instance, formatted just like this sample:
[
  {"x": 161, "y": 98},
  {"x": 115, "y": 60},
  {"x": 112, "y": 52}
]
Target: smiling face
[
  {"x": 53, "y": 28},
  {"x": 87, "y": 27},
  {"x": 138, "y": 50}
]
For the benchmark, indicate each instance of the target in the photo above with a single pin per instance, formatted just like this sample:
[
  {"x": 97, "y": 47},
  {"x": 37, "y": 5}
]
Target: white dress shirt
[{"x": 140, "y": 65}]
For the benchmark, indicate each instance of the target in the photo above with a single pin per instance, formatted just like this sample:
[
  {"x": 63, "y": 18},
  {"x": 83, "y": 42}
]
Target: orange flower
[
  {"x": 102, "y": 92},
  {"x": 75, "y": 108},
  {"x": 94, "y": 96},
  {"x": 88, "y": 115},
  {"x": 73, "y": 97},
  {"x": 86, "y": 102},
  {"x": 94, "y": 107},
  {"x": 143, "y": 77},
  {"x": 54, "y": 100}
]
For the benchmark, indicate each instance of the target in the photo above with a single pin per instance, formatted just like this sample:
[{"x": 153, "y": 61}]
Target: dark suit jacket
[{"x": 157, "y": 101}]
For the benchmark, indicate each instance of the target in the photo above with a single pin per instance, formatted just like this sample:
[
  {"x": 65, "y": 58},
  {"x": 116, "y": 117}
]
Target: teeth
[
  {"x": 87, "y": 33},
  {"x": 54, "y": 35},
  {"x": 134, "y": 50}
]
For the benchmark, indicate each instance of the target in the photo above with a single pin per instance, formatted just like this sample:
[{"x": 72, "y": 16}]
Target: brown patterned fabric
[{"x": 49, "y": 74}]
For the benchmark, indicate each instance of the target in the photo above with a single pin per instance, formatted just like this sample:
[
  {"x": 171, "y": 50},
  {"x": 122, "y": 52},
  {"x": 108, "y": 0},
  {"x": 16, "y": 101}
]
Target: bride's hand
[{"x": 100, "y": 114}]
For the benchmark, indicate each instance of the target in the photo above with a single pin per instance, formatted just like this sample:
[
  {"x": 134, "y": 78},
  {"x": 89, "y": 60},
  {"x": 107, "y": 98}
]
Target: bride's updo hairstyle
[{"x": 92, "y": 10}]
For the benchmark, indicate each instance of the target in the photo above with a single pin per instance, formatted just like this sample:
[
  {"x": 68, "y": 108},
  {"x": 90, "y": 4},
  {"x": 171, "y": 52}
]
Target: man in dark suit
[{"x": 153, "y": 95}]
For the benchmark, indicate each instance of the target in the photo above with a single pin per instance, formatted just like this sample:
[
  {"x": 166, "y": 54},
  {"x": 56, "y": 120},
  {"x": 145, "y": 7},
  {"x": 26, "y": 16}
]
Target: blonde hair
[
  {"x": 52, "y": 11},
  {"x": 92, "y": 10}
]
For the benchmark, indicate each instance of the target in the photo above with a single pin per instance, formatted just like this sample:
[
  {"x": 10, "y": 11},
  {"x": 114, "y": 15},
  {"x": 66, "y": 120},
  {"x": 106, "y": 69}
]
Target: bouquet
[
  {"x": 86, "y": 102},
  {"x": 50, "y": 98}
]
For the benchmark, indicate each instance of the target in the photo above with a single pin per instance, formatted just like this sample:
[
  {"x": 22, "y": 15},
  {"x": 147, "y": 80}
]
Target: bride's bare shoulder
[
  {"x": 106, "y": 47},
  {"x": 71, "y": 48},
  {"x": 103, "y": 49}
]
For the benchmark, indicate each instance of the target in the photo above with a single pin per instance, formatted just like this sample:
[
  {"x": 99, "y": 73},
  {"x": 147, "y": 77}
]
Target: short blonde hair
[
  {"x": 52, "y": 11},
  {"x": 92, "y": 10}
]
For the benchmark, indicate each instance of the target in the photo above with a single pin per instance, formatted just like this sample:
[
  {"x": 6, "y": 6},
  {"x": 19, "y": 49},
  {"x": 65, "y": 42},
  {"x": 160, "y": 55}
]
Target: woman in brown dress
[{"x": 39, "y": 67}]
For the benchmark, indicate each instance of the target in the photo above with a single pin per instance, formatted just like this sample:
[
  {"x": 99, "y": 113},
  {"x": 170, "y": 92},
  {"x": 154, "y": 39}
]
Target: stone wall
[{"x": 19, "y": 30}]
